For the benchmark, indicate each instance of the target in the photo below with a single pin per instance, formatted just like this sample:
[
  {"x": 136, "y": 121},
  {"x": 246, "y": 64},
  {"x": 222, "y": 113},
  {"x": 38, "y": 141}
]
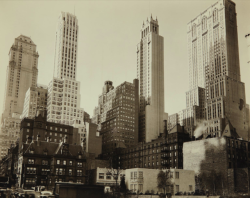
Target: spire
[
  {"x": 151, "y": 17},
  {"x": 156, "y": 18}
]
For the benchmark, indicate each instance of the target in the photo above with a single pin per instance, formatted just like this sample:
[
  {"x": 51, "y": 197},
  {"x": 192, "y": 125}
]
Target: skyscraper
[
  {"x": 21, "y": 74},
  {"x": 150, "y": 72},
  {"x": 214, "y": 65},
  {"x": 117, "y": 115},
  {"x": 64, "y": 91}
]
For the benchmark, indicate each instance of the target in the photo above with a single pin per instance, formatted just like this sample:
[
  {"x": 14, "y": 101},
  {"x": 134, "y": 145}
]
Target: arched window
[{"x": 215, "y": 15}]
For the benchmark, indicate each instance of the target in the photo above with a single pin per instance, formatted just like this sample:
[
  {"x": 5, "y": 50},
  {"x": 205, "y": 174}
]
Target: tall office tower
[
  {"x": 66, "y": 46},
  {"x": 150, "y": 72},
  {"x": 117, "y": 115},
  {"x": 64, "y": 91},
  {"x": 35, "y": 100},
  {"x": 21, "y": 74},
  {"x": 214, "y": 65}
]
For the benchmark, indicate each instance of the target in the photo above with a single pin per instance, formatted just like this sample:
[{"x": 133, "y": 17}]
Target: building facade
[
  {"x": 150, "y": 73},
  {"x": 35, "y": 100},
  {"x": 221, "y": 161},
  {"x": 44, "y": 163},
  {"x": 47, "y": 131},
  {"x": 63, "y": 90},
  {"x": 63, "y": 104},
  {"x": 117, "y": 115},
  {"x": 214, "y": 65},
  {"x": 20, "y": 75},
  {"x": 163, "y": 152},
  {"x": 141, "y": 180}
]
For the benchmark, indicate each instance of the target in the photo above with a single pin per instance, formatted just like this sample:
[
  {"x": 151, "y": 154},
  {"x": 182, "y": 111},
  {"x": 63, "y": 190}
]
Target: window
[
  {"x": 131, "y": 175},
  {"x": 28, "y": 124},
  {"x": 135, "y": 175},
  {"x": 58, "y": 162},
  {"x": 45, "y": 162},
  {"x": 64, "y": 162},
  {"x": 177, "y": 175},
  {"x": 31, "y": 161},
  {"x": 79, "y": 181},
  {"x": 45, "y": 171},
  {"x": 70, "y": 163},
  {"x": 177, "y": 188},
  {"x": 30, "y": 180},
  {"x": 101, "y": 175},
  {"x": 60, "y": 171},
  {"x": 171, "y": 174},
  {"x": 31, "y": 170},
  {"x": 70, "y": 172},
  {"x": 79, "y": 164},
  {"x": 108, "y": 176},
  {"x": 140, "y": 174},
  {"x": 190, "y": 188}
]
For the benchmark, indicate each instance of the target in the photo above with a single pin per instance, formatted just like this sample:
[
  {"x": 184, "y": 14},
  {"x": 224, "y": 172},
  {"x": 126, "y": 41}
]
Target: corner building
[
  {"x": 150, "y": 72},
  {"x": 117, "y": 115},
  {"x": 214, "y": 65}
]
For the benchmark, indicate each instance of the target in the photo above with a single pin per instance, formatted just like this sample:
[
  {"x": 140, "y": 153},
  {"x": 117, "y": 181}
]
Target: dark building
[
  {"x": 8, "y": 165},
  {"x": 117, "y": 115},
  {"x": 44, "y": 163},
  {"x": 163, "y": 152},
  {"x": 53, "y": 132}
]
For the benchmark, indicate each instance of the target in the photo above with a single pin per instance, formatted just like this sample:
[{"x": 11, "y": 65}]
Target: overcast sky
[{"x": 108, "y": 34}]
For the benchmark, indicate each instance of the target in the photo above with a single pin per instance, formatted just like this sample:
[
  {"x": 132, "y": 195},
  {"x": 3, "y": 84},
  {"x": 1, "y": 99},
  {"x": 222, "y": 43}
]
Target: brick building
[
  {"x": 54, "y": 132},
  {"x": 117, "y": 115},
  {"x": 44, "y": 163},
  {"x": 163, "y": 152}
]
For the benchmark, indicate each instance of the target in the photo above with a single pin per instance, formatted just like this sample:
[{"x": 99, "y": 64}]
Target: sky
[{"x": 109, "y": 32}]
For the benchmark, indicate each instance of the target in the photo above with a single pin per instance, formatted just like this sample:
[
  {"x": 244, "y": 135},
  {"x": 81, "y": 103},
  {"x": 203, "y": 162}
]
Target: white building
[
  {"x": 64, "y": 91},
  {"x": 35, "y": 99},
  {"x": 142, "y": 179},
  {"x": 102, "y": 177},
  {"x": 150, "y": 73},
  {"x": 64, "y": 101}
]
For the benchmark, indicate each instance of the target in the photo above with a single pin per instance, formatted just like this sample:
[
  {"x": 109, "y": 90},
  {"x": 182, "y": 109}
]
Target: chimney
[{"x": 38, "y": 139}]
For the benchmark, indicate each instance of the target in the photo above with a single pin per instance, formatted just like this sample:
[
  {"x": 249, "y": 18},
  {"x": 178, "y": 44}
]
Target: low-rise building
[
  {"x": 140, "y": 180},
  {"x": 44, "y": 163},
  {"x": 107, "y": 177},
  {"x": 163, "y": 152}
]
